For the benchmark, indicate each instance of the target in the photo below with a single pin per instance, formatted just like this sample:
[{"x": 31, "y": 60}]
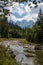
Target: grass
[
  {"x": 24, "y": 41},
  {"x": 5, "y": 58},
  {"x": 39, "y": 57},
  {"x": 3, "y": 39}
]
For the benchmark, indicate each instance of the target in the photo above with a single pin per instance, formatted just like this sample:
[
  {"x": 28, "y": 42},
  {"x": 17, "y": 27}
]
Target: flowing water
[{"x": 21, "y": 58}]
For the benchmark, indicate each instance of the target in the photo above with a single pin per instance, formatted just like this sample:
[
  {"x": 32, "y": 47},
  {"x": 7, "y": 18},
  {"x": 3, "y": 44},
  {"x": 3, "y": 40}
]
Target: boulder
[
  {"x": 38, "y": 47},
  {"x": 29, "y": 54}
]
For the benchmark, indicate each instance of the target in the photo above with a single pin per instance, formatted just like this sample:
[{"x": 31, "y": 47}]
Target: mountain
[{"x": 25, "y": 23}]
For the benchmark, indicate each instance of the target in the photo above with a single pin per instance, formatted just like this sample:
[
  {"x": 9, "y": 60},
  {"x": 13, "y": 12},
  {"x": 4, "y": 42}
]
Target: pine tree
[
  {"x": 4, "y": 23},
  {"x": 40, "y": 23}
]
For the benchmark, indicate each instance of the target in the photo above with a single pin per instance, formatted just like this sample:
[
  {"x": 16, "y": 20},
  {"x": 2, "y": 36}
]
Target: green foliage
[
  {"x": 34, "y": 2},
  {"x": 24, "y": 41},
  {"x": 20, "y": 0},
  {"x": 36, "y": 33},
  {"x": 4, "y": 24},
  {"x": 6, "y": 11},
  {"x": 14, "y": 31},
  {"x": 15, "y": 0},
  {"x": 5, "y": 58},
  {"x": 28, "y": 34},
  {"x": 4, "y": 27},
  {"x": 4, "y": 0},
  {"x": 39, "y": 57}
]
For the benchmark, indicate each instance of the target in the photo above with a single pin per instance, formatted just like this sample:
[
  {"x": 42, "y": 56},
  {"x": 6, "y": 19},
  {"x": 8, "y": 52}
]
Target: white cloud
[{"x": 25, "y": 11}]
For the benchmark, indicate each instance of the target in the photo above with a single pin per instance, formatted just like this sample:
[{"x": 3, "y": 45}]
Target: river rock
[
  {"x": 10, "y": 51},
  {"x": 29, "y": 54},
  {"x": 38, "y": 47}
]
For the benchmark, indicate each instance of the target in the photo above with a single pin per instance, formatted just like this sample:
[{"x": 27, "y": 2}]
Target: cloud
[{"x": 20, "y": 11}]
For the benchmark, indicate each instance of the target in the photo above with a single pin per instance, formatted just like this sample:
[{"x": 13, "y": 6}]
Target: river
[{"x": 20, "y": 52}]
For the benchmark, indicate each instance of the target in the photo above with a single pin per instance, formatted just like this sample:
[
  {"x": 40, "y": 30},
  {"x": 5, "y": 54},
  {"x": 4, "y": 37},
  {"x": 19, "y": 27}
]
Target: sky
[{"x": 21, "y": 11}]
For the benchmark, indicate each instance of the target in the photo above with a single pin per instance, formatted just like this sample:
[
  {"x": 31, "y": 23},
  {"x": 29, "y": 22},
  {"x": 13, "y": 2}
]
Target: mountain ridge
[{"x": 23, "y": 23}]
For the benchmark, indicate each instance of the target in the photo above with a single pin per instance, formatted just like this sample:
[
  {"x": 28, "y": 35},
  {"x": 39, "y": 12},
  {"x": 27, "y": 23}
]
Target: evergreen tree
[
  {"x": 40, "y": 23},
  {"x": 4, "y": 23}
]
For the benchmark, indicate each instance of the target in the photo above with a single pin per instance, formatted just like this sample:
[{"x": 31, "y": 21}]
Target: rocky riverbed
[{"x": 24, "y": 54}]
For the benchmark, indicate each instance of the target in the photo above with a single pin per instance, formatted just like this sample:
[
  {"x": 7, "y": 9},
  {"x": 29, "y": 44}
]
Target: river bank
[{"x": 23, "y": 53}]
